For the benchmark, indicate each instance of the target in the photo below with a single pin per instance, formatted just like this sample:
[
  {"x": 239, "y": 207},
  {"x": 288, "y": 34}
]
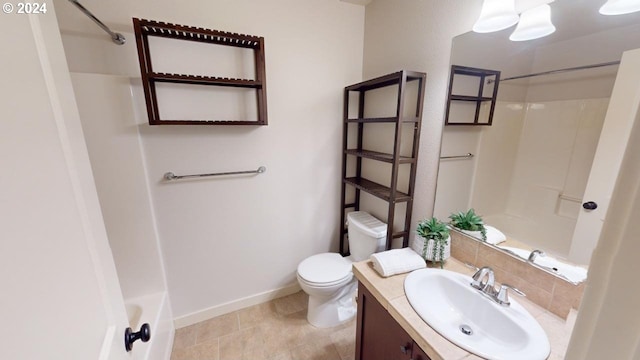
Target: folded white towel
[
  {"x": 494, "y": 236},
  {"x": 397, "y": 261}
]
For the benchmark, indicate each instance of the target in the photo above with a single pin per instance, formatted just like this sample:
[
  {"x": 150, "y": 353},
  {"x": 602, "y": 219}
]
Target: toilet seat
[{"x": 325, "y": 270}]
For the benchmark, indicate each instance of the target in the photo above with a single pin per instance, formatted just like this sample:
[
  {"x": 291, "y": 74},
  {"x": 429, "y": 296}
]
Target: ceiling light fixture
[
  {"x": 496, "y": 15},
  {"x": 620, "y": 7},
  {"x": 534, "y": 20},
  {"x": 534, "y": 23}
]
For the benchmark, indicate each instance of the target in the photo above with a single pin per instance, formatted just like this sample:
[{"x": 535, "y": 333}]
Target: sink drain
[{"x": 466, "y": 329}]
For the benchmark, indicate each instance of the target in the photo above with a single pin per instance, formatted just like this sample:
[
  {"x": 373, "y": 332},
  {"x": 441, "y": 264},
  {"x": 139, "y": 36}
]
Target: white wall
[
  {"x": 416, "y": 35},
  {"x": 229, "y": 241}
]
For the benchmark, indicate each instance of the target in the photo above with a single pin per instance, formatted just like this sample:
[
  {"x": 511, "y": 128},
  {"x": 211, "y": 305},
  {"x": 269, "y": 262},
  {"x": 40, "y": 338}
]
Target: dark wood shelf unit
[
  {"x": 375, "y": 155},
  {"x": 483, "y": 75},
  {"x": 204, "y": 80},
  {"x": 410, "y": 119},
  {"x": 380, "y": 191},
  {"x": 469, "y": 98},
  {"x": 390, "y": 194},
  {"x": 145, "y": 28}
]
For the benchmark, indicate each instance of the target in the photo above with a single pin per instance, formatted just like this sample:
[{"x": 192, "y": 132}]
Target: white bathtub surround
[
  {"x": 573, "y": 273},
  {"x": 155, "y": 310}
]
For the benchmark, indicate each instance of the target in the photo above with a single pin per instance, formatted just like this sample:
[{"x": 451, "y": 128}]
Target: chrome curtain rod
[
  {"x": 116, "y": 37},
  {"x": 171, "y": 176},
  {"x": 466, "y": 156},
  {"x": 585, "y": 67}
]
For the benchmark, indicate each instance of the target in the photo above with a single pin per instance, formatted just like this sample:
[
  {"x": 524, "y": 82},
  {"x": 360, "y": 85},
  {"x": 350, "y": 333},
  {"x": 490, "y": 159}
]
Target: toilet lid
[{"x": 324, "y": 268}]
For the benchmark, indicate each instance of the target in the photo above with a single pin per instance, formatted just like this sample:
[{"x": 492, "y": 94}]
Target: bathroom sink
[{"x": 446, "y": 301}]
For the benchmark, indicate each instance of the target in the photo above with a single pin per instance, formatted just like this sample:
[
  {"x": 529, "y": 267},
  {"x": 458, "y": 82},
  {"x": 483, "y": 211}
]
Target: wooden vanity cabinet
[{"x": 379, "y": 336}]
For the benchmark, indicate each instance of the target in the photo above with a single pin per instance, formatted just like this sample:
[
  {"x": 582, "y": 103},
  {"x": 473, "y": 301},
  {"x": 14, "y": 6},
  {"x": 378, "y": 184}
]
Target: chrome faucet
[
  {"x": 534, "y": 254},
  {"x": 479, "y": 282},
  {"x": 484, "y": 281}
]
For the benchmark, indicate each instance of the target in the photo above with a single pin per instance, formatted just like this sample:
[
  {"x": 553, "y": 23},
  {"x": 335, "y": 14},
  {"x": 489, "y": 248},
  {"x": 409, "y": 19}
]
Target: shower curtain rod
[
  {"x": 584, "y": 67},
  {"x": 116, "y": 37}
]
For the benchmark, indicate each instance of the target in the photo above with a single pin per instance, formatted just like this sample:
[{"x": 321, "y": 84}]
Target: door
[
  {"x": 60, "y": 292},
  {"x": 621, "y": 114}
]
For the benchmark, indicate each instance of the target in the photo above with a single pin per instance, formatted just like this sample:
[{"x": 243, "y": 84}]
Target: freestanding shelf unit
[{"x": 390, "y": 194}]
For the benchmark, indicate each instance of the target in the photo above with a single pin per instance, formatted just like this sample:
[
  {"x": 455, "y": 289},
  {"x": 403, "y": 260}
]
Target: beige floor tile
[
  {"x": 255, "y": 315},
  {"x": 216, "y": 327},
  {"x": 208, "y": 350},
  {"x": 345, "y": 341},
  {"x": 291, "y": 303},
  {"x": 276, "y": 330},
  {"x": 185, "y": 337},
  {"x": 315, "y": 352},
  {"x": 247, "y": 343}
]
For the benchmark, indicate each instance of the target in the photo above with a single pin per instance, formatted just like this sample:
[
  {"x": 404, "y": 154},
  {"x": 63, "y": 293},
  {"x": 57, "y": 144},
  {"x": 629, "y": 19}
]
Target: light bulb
[
  {"x": 534, "y": 23},
  {"x": 496, "y": 15}
]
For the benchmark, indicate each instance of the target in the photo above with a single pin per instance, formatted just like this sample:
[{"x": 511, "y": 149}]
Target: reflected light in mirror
[
  {"x": 496, "y": 15},
  {"x": 534, "y": 23},
  {"x": 620, "y": 7}
]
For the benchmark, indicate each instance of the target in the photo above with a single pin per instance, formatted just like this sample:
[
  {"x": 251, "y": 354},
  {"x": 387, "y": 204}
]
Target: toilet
[{"x": 327, "y": 278}]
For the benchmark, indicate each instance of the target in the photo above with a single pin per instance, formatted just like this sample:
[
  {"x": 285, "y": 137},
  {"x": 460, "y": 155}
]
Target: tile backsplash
[{"x": 547, "y": 290}]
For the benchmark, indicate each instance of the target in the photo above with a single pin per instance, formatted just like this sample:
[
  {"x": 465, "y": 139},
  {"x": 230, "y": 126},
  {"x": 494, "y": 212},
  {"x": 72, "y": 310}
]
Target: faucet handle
[
  {"x": 503, "y": 294},
  {"x": 481, "y": 274}
]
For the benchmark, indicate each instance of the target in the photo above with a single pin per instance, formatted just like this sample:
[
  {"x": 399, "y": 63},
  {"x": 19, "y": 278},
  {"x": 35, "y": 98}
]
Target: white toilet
[{"x": 327, "y": 278}]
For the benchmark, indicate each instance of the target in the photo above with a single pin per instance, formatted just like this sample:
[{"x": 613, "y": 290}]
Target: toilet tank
[{"x": 367, "y": 235}]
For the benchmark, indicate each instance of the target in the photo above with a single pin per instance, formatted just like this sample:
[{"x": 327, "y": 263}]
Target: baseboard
[{"x": 235, "y": 305}]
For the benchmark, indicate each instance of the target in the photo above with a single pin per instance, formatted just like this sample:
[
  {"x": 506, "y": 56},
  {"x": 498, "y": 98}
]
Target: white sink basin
[{"x": 446, "y": 301}]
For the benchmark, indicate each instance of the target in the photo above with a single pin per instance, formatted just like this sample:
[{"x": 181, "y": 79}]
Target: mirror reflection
[{"x": 528, "y": 175}]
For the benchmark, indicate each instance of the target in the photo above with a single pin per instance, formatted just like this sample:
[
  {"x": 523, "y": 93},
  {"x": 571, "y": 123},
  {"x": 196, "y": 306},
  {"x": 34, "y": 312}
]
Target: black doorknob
[
  {"x": 590, "y": 205},
  {"x": 130, "y": 337}
]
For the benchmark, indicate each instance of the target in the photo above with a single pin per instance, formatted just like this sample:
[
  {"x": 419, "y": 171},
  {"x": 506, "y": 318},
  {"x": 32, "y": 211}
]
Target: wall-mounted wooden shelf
[
  {"x": 145, "y": 28},
  {"x": 480, "y": 77}
]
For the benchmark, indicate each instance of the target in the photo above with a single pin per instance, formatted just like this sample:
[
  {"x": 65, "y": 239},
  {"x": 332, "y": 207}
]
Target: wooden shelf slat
[
  {"x": 404, "y": 119},
  {"x": 470, "y": 98},
  {"x": 375, "y": 155},
  {"x": 204, "y": 80},
  {"x": 183, "y": 32},
  {"x": 377, "y": 190},
  {"x": 400, "y": 234},
  {"x": 386, "y": 80}
]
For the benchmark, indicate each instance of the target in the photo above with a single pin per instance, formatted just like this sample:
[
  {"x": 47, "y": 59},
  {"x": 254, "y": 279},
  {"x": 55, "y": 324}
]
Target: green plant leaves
[
  {"x": 436, "y": 230},
  {"x": 469, "y": 221}
]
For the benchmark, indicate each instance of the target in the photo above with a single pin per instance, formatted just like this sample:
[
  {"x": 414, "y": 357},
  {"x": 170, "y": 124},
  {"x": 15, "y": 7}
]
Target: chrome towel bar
[
  {"x": 466, "y": 156},
  {"x": 171, "y": 176}
]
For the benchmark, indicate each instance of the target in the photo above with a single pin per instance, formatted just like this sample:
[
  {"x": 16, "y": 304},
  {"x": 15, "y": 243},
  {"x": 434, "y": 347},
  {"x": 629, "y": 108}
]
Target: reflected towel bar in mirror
[
  {"x": 171, "y": 176},
  {"x": 466, "y": 156}
]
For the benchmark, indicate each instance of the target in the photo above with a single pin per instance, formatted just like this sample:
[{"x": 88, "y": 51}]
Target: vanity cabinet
[{"x": 379, "y": 336}]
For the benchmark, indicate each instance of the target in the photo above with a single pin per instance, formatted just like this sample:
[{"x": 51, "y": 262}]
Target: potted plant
[
  {"x": 434, "y": 235},
  {"x": 470, "y": 223}
]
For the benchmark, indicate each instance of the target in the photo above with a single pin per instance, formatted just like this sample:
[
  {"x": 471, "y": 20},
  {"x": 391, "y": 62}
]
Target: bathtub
[
  {"x": 573, "y": 273},
  {"x": 154, "y": 310}
]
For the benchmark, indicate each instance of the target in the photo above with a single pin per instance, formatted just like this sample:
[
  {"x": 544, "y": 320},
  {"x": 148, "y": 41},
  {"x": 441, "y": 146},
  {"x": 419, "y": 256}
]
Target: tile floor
[{"x": 276, "y": 330}]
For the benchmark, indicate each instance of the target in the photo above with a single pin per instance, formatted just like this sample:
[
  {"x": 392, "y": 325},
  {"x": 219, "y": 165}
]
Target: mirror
[{"x": 527, "y": 172}]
